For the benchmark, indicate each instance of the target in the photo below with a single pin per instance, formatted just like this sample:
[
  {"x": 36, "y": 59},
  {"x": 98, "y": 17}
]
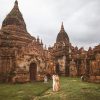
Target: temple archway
[
  {"x": 33, "y": 71},
  {"x": 57, "y": 69}
]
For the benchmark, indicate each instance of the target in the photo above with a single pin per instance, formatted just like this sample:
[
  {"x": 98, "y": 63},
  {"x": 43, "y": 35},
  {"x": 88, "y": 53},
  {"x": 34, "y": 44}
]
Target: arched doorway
[
  {"x": 33, "y": 71},
  {"x": 58, "y": 68}
]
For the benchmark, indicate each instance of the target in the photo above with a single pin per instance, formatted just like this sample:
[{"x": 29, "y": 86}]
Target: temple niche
[
  {"x": 23, "y": 58},
  {"x": 73, "y": 69}
]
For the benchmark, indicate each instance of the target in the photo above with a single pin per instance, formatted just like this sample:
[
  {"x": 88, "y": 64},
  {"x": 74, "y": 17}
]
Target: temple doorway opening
[
  {"x": 33, "y": 71},
  {"x": 58, "y": 69}
]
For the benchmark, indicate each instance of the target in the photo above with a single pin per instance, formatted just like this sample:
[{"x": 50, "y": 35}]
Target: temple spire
[
  {"x": 41, "y": 42},
  {"x": 62, "y": 35},
  {"x": 15, "y": 18},
  {"x": 16, "y": 2},
  {"x": 16, "y": 5},
  {"x": 62, "y": 27}
]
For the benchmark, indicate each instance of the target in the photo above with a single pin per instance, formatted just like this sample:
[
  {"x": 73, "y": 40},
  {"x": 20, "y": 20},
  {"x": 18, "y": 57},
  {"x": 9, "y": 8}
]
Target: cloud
[
  {"x": 43, "y": 18},
  {"x": 84, "y": 23}
]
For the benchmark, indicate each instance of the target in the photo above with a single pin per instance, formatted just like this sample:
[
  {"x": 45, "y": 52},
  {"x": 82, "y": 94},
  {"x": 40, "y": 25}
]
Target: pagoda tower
[
  {"x": 13, "y": 36},
  {"x": 14, "y": 27},
  {"x": 60, "y": 52},
  {"x": 62, "y": 36}
]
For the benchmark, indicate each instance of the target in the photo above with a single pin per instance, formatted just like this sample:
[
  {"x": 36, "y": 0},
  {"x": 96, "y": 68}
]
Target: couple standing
[{"x": 56, "y": 83}]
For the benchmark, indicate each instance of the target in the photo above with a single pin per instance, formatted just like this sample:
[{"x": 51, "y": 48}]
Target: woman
[{"x": 56, "y": 83}]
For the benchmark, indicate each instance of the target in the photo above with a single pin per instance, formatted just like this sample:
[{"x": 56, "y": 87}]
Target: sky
[{"x": 43, "y": 18}]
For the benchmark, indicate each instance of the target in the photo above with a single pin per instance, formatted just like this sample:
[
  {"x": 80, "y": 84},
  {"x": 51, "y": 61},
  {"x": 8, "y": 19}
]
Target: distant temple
[{"x": 23, "y": 58}]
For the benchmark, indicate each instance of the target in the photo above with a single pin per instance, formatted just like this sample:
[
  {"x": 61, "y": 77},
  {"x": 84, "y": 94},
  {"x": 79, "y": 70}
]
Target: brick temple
[{"x": 24, "y": 58}]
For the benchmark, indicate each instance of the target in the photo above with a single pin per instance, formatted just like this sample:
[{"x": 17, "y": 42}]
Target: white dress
[
  {"x": 54, "y": 82},
  {"x": 57, "y": 83}
]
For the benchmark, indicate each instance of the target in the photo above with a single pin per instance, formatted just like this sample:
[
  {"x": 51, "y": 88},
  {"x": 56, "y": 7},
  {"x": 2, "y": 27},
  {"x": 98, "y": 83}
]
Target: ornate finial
[
  {"x": 62, "y": 27},
  {"x": 41, "y": 42},
  {"x": 38, "y": 40},
  {"x": 16, "y": 5},
  {"x": 16, "y": 2},
  {"x": 89, "y": 49},
  {"x": 45, "y": 46}
]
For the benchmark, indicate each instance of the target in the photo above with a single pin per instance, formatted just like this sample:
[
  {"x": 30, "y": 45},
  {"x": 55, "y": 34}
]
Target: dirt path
[
  {"x": 49, "y": 92},
  {"x": 45, "y": 94}
]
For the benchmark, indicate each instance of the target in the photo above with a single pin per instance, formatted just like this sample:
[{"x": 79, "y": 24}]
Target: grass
[
  {"x": 71, "y": 89},
  {"x": 22, "y": 91}
]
